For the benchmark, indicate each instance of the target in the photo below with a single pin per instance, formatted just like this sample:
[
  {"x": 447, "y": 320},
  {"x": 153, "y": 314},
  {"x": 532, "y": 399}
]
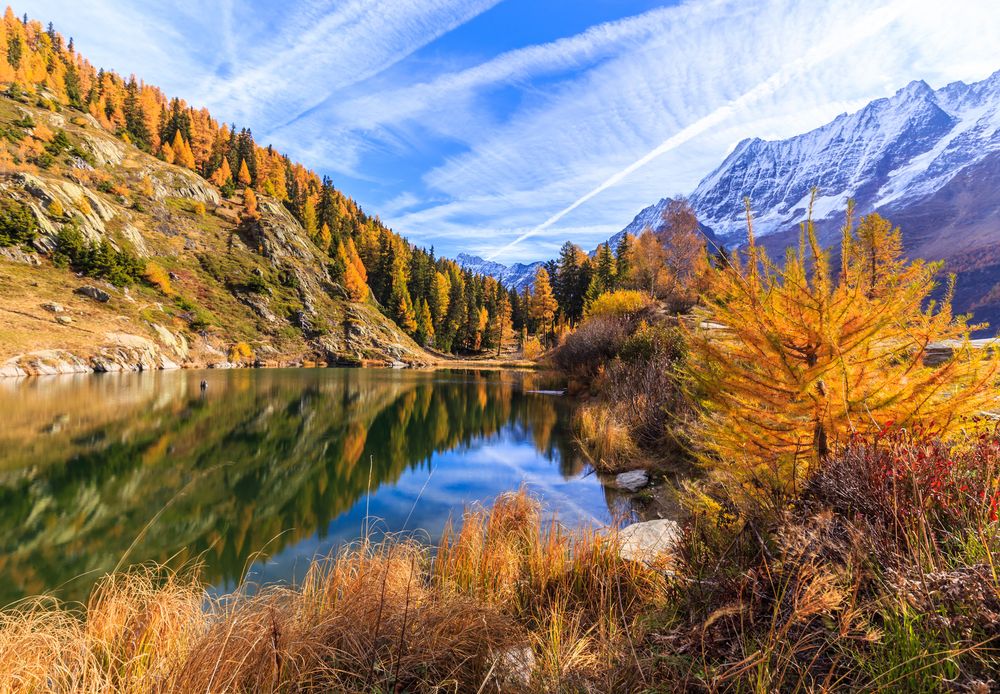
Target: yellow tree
[
  {"x": 348, "y": 263},
  {"x": 789, "y": 361},
  {"x": 222, "y": 175},
  {"x": 323, "y": 238},
  {"x": 243, "y": 177},
  {"x": 355, "y": 260},
  {"x": 543, "y": 305},
  {"x": 250, "y": 204},
  {"x": 183, "y": 156},
  {"x": 647, "y": 261}
]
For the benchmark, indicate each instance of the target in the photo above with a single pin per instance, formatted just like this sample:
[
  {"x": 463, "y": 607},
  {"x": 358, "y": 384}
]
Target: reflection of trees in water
[{"x": 260, "y": 461}]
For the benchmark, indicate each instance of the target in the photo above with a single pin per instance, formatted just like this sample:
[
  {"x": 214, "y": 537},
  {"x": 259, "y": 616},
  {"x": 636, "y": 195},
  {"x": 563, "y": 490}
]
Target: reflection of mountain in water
[{"x": 260, "y": 460}]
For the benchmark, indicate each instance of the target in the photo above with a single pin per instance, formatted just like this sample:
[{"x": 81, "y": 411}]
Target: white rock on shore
[
  {"x": 648, "y": 540},
  {"x": 632, "y": 481}
]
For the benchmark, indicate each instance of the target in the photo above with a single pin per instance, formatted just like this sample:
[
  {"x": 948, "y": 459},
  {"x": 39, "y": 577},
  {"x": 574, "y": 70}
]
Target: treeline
[
  {"x": 668, "y": 264},
  {"x": 432, "y": 299}
]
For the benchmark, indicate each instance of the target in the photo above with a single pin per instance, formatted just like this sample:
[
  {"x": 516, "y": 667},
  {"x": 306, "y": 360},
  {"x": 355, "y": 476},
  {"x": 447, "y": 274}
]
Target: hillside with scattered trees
[{"x": 241, "y": 251}]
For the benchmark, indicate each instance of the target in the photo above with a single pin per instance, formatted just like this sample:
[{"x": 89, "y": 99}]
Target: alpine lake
[{"x": 255, "y": 473}]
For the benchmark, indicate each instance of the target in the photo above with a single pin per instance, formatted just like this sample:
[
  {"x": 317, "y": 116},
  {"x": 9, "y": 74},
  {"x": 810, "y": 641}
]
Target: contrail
[{"x": 868, "y": 26}]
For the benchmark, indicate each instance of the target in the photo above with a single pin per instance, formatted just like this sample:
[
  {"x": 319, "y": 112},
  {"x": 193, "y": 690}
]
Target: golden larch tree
[
  {"x": 789, "y": 361},
  {"x": 243, "y": 177},
  {"x": 543, "y": 305},
  {"x": 250, "y": 209},
  {"x": 222, "y": 175}
]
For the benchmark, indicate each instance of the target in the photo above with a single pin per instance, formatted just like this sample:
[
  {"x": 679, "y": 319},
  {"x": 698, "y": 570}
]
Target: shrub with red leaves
[{"x": 903, "y": 476}]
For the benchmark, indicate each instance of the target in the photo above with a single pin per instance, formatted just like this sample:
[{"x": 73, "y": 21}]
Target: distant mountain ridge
[
  {"x": 518, "y": 275},
  {"x": 890, "y": 154}
]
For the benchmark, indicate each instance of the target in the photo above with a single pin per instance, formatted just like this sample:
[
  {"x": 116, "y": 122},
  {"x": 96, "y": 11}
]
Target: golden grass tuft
[
  {"x": 508, "y": 602},
  {"x": 604, "y": 437}
]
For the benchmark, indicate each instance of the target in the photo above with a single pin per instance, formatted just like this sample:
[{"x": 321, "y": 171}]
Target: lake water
[{"x": 266, "y": 469}]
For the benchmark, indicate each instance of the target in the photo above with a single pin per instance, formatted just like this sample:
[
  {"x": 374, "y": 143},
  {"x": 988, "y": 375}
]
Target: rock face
[
  {"x": 632, "y": 481},
  {"x": 94, "y": 293},
  {"x": 648, "y": 540}
]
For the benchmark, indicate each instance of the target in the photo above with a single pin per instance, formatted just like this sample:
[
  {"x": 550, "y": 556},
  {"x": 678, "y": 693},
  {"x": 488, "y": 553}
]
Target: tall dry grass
[{"x": 505, "y": 602}]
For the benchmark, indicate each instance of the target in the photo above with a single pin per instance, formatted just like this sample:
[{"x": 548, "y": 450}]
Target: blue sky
[{"x": 505, "y": 127}]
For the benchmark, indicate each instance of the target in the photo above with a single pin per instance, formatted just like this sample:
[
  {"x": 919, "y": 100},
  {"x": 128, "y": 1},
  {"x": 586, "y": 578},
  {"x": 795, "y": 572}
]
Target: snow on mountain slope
[
  {"x": 518, "y": 275},
  {"x": 895, "y": 151}
]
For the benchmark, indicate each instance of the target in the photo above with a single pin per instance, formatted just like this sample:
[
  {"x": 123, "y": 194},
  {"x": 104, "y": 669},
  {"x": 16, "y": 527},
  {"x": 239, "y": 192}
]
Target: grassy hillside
[{"x": 218, "y": 286}]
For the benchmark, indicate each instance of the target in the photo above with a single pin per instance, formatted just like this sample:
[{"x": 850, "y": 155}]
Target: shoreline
[{"x": 140, "y": 359}]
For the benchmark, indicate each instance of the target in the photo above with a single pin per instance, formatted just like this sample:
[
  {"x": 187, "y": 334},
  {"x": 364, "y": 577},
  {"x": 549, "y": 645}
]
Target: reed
[{"x": 508, "y": 601}]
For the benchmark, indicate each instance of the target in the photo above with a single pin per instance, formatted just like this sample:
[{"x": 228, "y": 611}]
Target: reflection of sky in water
[
  {"x": 140, "y": 468},
  {"x": 454, "y": 479}
]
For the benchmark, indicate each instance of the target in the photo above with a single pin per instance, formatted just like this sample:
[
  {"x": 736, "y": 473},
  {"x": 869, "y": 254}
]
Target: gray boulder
[{"x": 94, "y": 293}]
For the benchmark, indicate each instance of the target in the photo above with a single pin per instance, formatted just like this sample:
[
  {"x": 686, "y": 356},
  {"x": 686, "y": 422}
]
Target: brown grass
[
  {"x": 508, "y": 602},
  {"x": 604, "y": 437}
]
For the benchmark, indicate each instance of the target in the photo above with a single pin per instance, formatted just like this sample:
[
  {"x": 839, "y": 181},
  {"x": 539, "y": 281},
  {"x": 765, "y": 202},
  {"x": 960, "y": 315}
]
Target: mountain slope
[
  {"x": 518, "y": 275},
  {"x": 894, "y": 152},
  {"x": 226, "y": 278}
]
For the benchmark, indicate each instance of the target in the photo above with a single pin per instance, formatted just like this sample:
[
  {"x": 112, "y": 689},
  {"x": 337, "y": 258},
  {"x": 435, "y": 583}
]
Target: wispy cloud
[
  {"x": 710, "y": 74},
  {"x": 323, "y": 47},
  {"x": 832, "y": 46},
  {"x": 510, "y": 150}
]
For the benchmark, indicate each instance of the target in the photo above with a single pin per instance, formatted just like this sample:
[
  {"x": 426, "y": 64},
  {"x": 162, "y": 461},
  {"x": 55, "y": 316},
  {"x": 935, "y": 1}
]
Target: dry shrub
[
  {"x": 643, "y": 383},
  {"x": 159, "y": 278},
  {"x": 43, "y": 132},
  {"x": 83, "y": 205},
  {"x": 879, "y": 577},
  {"x": 145, "y": 186},
  {"x": 584, "y": 353},
  {"x": 510, "y": 602},
  {"x": 532, "y": 348},
  {"x": 199, "y": 208},
  {"x": 240, "y": 353}
]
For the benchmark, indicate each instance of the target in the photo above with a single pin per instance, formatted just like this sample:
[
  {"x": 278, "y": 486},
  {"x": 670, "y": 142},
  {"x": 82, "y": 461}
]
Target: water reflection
[{"x": 278, "y": 462}]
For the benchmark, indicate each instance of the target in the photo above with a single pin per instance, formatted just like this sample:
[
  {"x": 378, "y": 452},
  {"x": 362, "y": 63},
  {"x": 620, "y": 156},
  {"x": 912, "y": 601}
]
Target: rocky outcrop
[
  {"x": 117, "y": 194},
  {"x": 123, "y": 352}
]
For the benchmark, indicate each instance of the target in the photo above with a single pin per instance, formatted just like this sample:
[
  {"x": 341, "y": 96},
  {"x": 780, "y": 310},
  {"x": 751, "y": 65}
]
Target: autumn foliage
[{"x": 792, "y": 360}]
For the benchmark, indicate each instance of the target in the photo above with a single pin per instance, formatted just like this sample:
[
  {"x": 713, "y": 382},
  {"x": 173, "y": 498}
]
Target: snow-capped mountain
[
  {"x": 518, "y": 275},
  {"x": 892, "y": 153}
]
